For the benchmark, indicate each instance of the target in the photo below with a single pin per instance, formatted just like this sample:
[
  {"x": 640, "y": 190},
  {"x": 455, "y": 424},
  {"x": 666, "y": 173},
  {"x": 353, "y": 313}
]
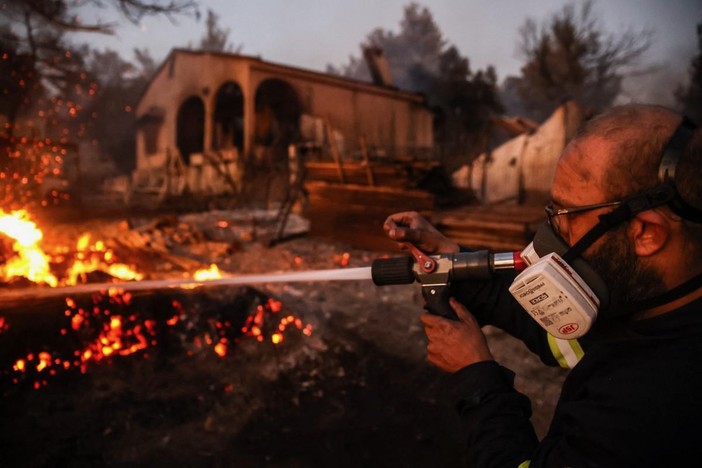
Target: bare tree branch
[
  {"x": 570, "y": 56},
  {"x": 61, "y": 14}
]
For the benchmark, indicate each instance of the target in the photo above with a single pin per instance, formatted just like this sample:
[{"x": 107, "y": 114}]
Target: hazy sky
[{"x": 313, "y": 33}]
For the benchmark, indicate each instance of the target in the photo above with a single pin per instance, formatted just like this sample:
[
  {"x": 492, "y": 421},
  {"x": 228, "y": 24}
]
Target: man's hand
[
  {"x": 455, "y": 345},
  {"x": 410, "y": 226}
]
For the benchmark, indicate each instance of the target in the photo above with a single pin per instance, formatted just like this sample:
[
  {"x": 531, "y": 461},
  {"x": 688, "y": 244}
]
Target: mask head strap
[{"x": 669, "y": 163}]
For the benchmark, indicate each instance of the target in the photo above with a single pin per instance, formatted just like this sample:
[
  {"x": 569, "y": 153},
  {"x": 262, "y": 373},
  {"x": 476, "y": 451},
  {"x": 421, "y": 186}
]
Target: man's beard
[{"x": 620, "y": 268}]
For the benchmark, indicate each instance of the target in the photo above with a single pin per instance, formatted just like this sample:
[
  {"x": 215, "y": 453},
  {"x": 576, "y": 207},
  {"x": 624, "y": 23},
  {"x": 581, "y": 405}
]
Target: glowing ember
[
  {"x": 277, "y": 338},
  {"x": 32, "y": 170},
  {"x": 255, "y": 323},
  {"x": 108, "y": 326},
  {"x": 221, "y": 348},
  {"x": 343, "y": 259},
  {"x": 44, "y": 361}
]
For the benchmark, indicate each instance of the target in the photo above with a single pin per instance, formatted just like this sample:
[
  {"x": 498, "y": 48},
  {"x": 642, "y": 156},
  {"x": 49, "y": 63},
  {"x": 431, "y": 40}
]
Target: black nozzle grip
[
  {"x": 395, "y": 270},
  {"x": 437, "y": 302}
]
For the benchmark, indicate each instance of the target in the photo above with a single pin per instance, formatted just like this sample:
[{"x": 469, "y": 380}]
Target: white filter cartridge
[{"x": 556, "y": 297}]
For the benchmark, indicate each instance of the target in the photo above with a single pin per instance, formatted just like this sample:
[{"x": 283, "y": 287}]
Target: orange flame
[
  {"x": 208, "y": 273},
  {"x": 96, "y": 257},
  {"x": 30, "y": 262}
]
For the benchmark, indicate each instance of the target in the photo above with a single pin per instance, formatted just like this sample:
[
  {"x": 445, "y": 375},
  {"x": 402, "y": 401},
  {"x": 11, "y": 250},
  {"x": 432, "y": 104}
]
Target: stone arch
[
  {"x": 228, "y": 118},
  {"x": 190, "y": 127}
]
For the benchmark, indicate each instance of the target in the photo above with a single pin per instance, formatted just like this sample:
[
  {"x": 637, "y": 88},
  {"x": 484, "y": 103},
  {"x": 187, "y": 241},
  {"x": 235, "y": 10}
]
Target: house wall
[
  {"x": 522, "y": 169},
  {"x": 541, "y": 157},
  {"x": 180, "y": 77},
  {"x": 387, "y": 118},
  {"x": 496, "y": 176}
]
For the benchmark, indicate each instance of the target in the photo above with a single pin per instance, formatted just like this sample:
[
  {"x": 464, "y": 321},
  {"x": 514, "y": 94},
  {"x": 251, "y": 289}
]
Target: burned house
[
  {"x": 511, "y": 182},
  {"x": 521, "y": 169},
  {"x": 205, "y": 118}
]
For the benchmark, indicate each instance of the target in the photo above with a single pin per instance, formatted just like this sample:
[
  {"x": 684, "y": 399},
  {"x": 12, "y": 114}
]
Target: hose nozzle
[{"x": 480, "y": 264}]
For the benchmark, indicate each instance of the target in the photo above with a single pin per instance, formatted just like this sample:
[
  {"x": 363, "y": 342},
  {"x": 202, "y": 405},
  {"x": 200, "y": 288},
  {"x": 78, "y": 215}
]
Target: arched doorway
[
  {"x": 190, "y": 128},
  {"x": 277, "y": 126},
  {"x": 228, "y": 122},
  {"x": 278, "y": 113}
]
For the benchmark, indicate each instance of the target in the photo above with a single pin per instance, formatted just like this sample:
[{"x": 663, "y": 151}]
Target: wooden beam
[
  {"x": 334, "y": 150},
  {"x": 366, "y": 161}
]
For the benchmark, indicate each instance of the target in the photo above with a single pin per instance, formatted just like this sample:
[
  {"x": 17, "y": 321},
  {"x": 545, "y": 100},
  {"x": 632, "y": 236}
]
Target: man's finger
[
  {"x": 430, "y": 320},
  {"x": 400, "y": 219},
  {"x": 405, "y": 234}
]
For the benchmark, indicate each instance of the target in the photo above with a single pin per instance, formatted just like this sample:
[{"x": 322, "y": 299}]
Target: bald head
[
  {"x": 618, "y": 154},
  {"x": 634, "y": 136}
]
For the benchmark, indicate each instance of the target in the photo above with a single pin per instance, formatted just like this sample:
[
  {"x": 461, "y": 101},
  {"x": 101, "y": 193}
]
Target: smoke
[{"x": 657, "y": 84}]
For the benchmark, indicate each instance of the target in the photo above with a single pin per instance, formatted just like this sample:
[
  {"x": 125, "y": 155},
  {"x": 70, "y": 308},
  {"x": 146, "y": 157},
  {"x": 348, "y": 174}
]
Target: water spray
[
  {"x": 346, "y": 274},
  {"x": 434, "y": 272}
]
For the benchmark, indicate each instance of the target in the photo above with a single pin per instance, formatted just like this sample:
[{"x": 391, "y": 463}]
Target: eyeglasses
[{"x": 556, "y": 215}]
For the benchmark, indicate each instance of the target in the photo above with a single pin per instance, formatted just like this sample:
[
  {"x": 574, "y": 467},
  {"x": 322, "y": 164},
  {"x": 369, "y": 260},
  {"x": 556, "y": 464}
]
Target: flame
[
  {"x": 30, "y": 262},
  {"x": 95, "y": 256},
  {"x": 207, "y": 273}
]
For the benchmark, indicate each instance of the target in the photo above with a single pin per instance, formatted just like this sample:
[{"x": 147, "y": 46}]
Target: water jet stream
[{"x": 339, "y": 274}]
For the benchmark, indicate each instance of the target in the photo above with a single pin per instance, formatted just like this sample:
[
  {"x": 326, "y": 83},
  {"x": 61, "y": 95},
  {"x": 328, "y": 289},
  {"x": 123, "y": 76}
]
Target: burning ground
[{"x": 298, "y": 374}]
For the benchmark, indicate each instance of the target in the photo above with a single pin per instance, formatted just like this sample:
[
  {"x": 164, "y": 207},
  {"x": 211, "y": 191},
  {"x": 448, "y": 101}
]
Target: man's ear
[{"x": 650, "y": 231}]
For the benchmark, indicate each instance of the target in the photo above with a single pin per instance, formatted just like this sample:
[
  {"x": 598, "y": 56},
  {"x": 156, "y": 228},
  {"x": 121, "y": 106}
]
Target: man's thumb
[{"x": 461, "y": 311}]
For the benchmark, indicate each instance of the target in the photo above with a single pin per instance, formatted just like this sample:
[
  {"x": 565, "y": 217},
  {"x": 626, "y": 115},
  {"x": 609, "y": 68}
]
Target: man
[{"x": 634, "y": 394}]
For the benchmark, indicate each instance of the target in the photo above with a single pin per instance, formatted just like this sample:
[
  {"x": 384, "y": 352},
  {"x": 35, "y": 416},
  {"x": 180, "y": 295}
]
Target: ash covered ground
[{"x": 356, "y": 392}]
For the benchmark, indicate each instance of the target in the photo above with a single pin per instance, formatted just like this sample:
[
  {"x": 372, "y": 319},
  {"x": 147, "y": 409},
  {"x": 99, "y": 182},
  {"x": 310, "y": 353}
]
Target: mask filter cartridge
[{"x": 556, "y": 297}]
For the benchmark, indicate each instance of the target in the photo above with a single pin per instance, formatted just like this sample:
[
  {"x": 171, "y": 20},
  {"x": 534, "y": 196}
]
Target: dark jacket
[{"x": 633, "y": 396}]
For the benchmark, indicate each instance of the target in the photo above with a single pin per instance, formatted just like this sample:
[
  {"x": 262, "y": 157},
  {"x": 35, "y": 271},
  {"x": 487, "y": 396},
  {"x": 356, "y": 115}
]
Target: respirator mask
[{"x": 560, "y": 290}]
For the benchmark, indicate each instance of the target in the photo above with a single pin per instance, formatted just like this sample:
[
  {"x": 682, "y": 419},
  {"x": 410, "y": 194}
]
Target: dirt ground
[{"x": 356, "y": 392}]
